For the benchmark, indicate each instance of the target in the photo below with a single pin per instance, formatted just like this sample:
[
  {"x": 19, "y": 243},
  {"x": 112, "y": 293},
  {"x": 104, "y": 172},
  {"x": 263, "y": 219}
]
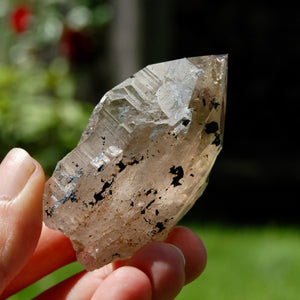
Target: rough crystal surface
[{"x": 142, "y": 161}]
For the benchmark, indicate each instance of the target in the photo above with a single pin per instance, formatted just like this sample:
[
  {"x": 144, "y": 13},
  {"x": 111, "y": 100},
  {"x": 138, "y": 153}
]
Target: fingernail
[
  {"x": 179, "y": 252},
  {"x": 15, "y": 170}
]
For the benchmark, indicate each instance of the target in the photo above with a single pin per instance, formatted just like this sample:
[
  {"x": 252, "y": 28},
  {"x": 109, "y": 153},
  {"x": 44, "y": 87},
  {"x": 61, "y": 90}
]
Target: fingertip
[
  {"x": 164, "y": 266},
  {"x": 36, "y": 182},
  {"x": 21, "y": 190},
  {"x": 15, "y": 171},
  {"x": 125, "y": 283},
  {"x": 28, "y": 205},
  {"x": 193, "y": 249}
]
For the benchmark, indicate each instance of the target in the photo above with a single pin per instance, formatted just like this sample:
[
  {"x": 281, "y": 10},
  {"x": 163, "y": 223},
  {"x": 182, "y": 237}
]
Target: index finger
[{"x": 54, "y": 250}]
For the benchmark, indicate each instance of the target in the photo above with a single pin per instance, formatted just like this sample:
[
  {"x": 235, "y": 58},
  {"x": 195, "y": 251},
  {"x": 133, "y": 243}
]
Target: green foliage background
[
  {"x": 38, "y": 111},
  {"x": 39, "y": 82}
]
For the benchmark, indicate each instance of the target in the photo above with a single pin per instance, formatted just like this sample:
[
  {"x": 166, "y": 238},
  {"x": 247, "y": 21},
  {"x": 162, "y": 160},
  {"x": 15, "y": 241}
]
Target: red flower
[
  {"x": 76, "y": 46},
  {"x": 20, "y": 18}
]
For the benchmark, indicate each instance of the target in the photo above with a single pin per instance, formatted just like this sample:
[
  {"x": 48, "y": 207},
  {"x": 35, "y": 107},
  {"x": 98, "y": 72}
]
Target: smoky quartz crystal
[{"x": 143, "y": 160}]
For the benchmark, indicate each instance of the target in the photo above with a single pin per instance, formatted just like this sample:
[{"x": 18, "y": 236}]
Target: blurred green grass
[
  {"x": 243, "y": 263},
  {"x": 248, "y": 263}
]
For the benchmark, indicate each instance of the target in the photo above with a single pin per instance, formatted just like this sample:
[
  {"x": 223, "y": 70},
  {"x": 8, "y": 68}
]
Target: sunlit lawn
[
  {"x": 243, "y": 263},
  {"x": 258, "y": 263}
]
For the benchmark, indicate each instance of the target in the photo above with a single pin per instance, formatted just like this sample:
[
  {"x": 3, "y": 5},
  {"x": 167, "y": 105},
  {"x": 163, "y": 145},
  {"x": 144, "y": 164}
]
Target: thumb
[{"x": 21, "y": 189}]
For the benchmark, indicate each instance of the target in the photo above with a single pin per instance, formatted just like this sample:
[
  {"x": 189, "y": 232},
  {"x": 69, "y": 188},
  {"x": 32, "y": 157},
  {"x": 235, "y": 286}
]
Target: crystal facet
[{"x": 142, "y": 161}]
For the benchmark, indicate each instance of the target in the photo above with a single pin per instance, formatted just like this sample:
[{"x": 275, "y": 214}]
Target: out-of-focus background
[{"x": 58, "y": 57}]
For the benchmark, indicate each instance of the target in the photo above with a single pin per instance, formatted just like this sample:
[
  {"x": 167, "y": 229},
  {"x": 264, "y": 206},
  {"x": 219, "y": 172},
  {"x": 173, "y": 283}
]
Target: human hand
[{"x": 29, "y": 250}]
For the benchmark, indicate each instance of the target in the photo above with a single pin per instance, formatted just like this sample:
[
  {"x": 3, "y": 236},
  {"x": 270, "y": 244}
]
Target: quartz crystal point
[{"x": 142, "y": 161}]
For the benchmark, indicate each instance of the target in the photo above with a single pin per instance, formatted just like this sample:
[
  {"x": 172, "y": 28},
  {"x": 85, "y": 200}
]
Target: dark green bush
[{"x": 39, "y": 113}]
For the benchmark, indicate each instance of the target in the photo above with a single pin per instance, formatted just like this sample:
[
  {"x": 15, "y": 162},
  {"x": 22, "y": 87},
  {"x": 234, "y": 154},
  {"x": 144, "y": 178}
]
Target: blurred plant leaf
[
  {"x": 38, "y": 112},
  {"x": 45, "y": 47}
]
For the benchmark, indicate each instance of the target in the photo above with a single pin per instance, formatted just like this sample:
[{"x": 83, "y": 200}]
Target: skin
[{"x": 157, "y": 271}]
